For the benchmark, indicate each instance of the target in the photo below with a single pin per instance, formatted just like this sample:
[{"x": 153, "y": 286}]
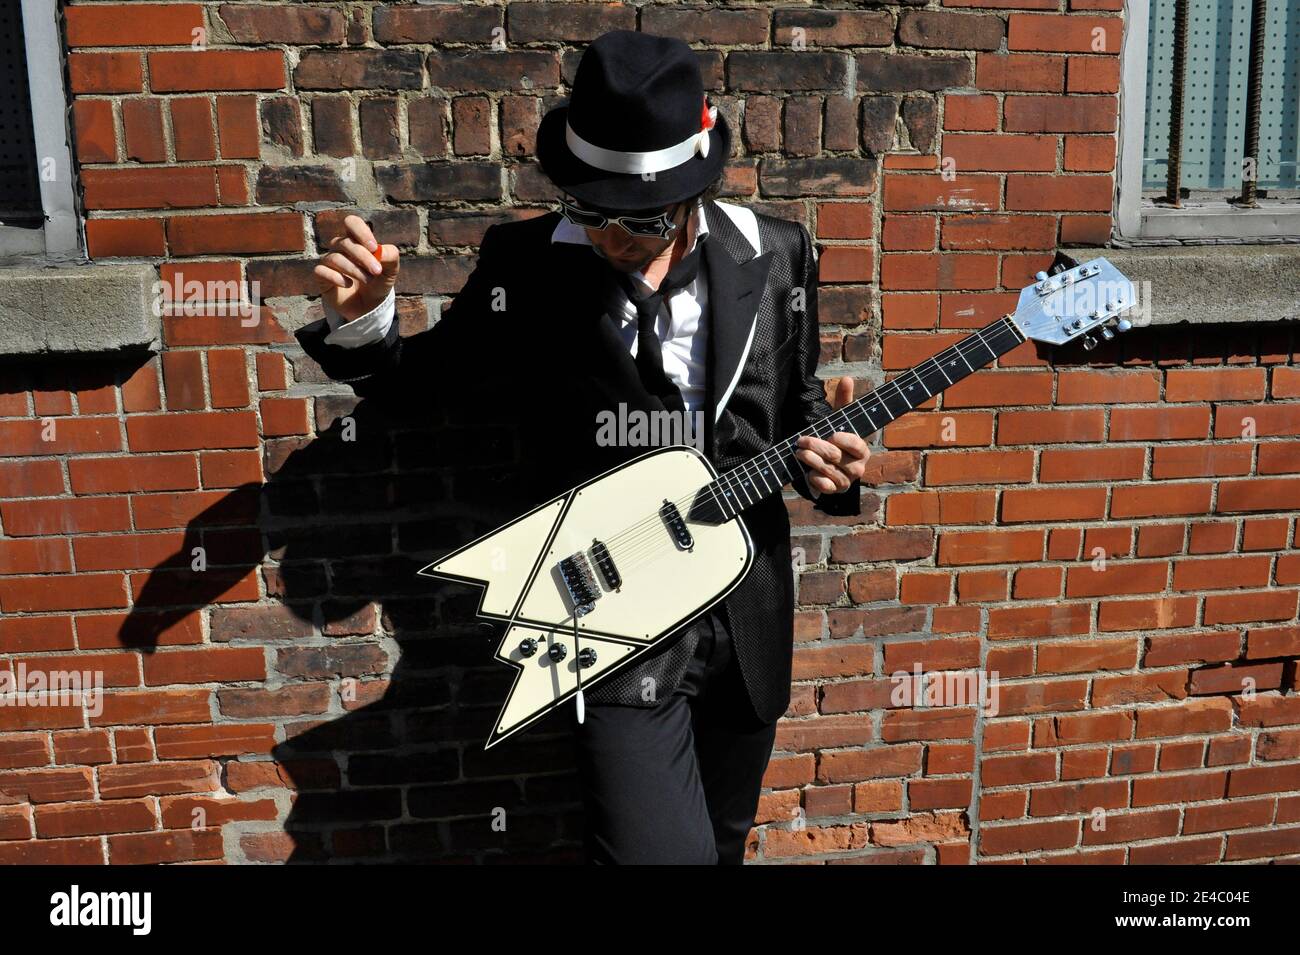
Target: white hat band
[{"x": 656, "y": 160}]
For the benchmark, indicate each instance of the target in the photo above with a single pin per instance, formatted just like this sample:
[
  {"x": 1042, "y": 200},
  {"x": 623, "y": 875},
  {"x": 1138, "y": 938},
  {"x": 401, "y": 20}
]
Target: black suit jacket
[{"x": 528, "y": 341}]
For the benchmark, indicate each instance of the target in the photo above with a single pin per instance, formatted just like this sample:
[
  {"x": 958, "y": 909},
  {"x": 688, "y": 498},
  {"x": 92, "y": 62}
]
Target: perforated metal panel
[
  {"x": 1279, "y": 115},
  {"x": 20, "y": 198},
  {"x": 1214, "y": 108}
]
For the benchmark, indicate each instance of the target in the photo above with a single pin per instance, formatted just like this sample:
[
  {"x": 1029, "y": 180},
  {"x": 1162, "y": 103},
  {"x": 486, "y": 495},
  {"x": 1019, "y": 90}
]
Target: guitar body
[{"x": 657, "y": 585}]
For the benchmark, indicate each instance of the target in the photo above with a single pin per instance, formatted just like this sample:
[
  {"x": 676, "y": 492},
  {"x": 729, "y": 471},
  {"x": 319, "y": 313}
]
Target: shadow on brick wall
[{"x": 386, "y": 766}]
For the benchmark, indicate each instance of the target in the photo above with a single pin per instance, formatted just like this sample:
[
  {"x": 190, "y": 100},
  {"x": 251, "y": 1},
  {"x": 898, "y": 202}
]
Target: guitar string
[{"x": 626, "y": 541}]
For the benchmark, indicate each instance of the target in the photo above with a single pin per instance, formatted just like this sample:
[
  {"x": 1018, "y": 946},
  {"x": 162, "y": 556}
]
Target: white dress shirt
[{"x": 682, "y": 334}]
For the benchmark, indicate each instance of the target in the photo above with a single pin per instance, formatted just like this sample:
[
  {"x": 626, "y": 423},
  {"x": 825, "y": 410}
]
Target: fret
[
  {"x": 1008, "y": 326},
  {"x": 910, "y": 389},
  {"x": 763, "y": 472},
  {"x": 932, "y": 377},
  {"x": 729, "y": 498},
  {"x": 781, "y": 460},
  {"x": 740, "y": 483},
  {"x": 955, "y": 368},
  {"x": 877, "y": 407},
  {"x": 894, "y": 400},
  {"x": 939, "y": 366},
  {"x": 712, "y": 488},
  {"x": 853, "y": 416},
  {"x": 978, "y": 339},
  {"x": 754, "y": 473}
]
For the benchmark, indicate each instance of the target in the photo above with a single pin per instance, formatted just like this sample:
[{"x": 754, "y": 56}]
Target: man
[{"x": 642, "y": 293}]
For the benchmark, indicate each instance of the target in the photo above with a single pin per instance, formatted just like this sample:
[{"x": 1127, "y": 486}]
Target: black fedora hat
[{"x": 637, "y": 131}]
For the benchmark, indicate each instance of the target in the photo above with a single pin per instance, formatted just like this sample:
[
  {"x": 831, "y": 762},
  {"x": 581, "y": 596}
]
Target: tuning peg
[
  {"x": 1123, "y": 325},
  {"x": 1089, "y": 343},
  {"x": 1040, "y": 276},
  {"x": 1107, "y": 334}
]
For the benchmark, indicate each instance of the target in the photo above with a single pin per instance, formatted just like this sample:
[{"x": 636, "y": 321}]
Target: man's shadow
[{"x": 394, "y": 769}]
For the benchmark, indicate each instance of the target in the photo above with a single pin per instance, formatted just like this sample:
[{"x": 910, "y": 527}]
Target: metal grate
[
  {"x": 1212, "y": 137},
  {"x": 20, "y": 195}
]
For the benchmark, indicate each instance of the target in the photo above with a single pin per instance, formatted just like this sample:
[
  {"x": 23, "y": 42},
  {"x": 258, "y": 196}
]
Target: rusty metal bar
[
  {"x": 1174, "y": 170},
  {"x": 1254, "y": 95}
]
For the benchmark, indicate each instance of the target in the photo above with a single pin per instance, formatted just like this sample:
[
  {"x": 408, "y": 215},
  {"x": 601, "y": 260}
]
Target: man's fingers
[
  {"x": 824, "y": 449},
  {"x": 389, "y": 260},
  {"x": 828, "y": 480},
  {"x": 327, "y": 276},
  {"x": 833, "y": 465},
  {"x": 359, "y": 254},
  {"x": 344, "y": 265},
  {"x": 843, "y": 393},
  {"x": 815, "y": 463},
  {"x": 359, "y": 232},
  {"x": 855, "y": 444}
]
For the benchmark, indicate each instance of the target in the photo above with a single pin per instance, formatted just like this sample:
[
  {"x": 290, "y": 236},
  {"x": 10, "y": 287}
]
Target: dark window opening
[{"x": 20, "y": 193}]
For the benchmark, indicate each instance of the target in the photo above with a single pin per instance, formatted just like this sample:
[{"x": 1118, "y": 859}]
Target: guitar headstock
[{"x": 1070, "y": 301}]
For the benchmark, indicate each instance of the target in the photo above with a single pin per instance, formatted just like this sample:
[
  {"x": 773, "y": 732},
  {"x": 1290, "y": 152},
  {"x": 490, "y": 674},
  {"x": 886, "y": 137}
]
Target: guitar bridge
[{"x": 580, "y": 581}]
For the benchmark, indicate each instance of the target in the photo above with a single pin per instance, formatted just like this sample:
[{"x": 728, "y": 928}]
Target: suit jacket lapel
[{"x": 736, "y": 279}]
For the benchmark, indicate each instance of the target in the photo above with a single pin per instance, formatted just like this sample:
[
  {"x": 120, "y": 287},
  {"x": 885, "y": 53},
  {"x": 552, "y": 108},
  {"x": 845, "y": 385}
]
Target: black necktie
[{"x": 649, "y": 352}]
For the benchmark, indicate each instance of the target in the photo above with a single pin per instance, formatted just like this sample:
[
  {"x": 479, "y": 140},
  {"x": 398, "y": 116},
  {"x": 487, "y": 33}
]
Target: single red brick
[
  {"x": 96, "y": 135},
  {"x": 214, "y": 70},
  {"x": 125, "y": 238},
  {"x": 142, "y": 127},
  {"x": 135, "y": 24},
  {"x": 183, "y": 380},
  {"x": 238, "y": 127},
  {"x": 105, "y": 73},
  {"x": 192, "y": 128}
]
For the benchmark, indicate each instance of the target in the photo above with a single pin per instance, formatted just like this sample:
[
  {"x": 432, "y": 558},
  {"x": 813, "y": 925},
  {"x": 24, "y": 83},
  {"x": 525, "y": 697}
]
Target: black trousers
[{"x": 677, "y": 783}]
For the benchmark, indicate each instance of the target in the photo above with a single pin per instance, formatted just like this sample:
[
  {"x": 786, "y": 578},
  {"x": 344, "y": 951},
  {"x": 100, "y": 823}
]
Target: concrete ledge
[
  {"x": 86, "y": 309},
  {"x": 1212, "y": 284}
]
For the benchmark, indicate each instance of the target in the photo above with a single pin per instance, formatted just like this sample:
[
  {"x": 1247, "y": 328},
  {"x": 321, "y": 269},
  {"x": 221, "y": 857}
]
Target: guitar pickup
[
  {"x": 580, "y": 581},
  {"x": 676, "y": 526},
  {"x": 605, "y": 563}
]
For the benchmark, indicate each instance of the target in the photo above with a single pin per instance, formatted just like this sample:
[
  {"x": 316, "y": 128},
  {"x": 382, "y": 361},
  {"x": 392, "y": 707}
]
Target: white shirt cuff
[{"x": 364, "y": 329}]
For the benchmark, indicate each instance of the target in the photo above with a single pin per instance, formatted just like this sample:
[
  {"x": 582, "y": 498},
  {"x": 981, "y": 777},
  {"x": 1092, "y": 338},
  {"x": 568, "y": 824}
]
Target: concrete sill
[
  {"x": 1210, "y": 284},
  {"x": 84, "y": 309}
]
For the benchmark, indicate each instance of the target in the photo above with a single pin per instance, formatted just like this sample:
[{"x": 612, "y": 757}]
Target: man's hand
[
  {"x": 832, "y": 465},
  {"x": 358, "y": 274}
]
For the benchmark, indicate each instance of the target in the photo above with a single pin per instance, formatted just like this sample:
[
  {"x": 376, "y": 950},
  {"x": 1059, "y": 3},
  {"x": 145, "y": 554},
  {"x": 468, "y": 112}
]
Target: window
[
  {"x": 37, "y": 204},
  {"x": 1226, "y": 178}
]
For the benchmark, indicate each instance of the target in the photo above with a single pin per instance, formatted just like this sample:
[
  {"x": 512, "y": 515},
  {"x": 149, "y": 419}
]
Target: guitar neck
[{"x": 767, "y": 473}]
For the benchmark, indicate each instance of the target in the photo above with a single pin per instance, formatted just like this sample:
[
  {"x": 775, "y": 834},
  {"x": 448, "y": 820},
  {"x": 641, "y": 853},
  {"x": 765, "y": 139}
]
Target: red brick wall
[{"x": 290, "y": 697}]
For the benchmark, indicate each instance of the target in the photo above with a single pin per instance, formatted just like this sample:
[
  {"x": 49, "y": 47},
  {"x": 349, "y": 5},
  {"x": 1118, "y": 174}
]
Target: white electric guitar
[{"x": 590, "y": 581}]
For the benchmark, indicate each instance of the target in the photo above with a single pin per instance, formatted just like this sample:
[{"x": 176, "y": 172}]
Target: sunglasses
[{"x": 658, "y": 226}]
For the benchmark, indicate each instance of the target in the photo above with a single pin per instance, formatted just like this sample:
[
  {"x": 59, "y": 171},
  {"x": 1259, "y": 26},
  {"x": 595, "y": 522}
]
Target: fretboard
[{"x": 770, "y": 471}]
